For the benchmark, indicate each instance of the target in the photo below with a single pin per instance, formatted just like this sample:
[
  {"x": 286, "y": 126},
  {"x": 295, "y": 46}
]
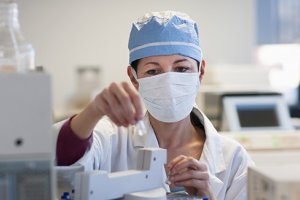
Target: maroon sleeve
[{"x": 69, "y": 147}]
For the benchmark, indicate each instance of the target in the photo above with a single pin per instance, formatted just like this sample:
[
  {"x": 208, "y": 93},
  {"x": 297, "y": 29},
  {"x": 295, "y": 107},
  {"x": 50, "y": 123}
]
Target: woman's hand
[
  {"x": 189, "y": 173},
  {"x": 121, "y": 103}
]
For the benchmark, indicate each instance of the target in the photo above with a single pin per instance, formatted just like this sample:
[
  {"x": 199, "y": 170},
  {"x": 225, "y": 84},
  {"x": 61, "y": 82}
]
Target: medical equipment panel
[
  {"x": 26, "y": 145},
  {"x": 255, "y": 113},
  {"x": 272, "y": 182},
  {"x": 146, "y": 182}
]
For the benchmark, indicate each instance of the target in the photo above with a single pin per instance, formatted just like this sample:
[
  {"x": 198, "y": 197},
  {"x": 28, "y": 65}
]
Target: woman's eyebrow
[
  {"x": 152, "y": 63},
  {"x": 181, "y": 60}
]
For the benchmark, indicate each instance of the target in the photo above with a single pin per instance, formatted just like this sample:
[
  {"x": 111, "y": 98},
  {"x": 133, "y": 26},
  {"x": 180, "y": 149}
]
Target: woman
[{"x": 165, "y": 70}]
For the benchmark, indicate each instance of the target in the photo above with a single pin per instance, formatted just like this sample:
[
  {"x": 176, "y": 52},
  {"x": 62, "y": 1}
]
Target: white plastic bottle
[{"x": 16, "y": 54}]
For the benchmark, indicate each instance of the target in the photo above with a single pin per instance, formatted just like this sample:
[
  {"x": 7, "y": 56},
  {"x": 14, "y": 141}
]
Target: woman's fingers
[
  {"x": 188, "y": 163},
  {"x": 135, "y": 99},
  {"x": 181, "y": 163},
  {"x": 188, "y": 168},
  {"x": 125, "y": 107},
  {"x": 202, "y": 187},
  {"x": 114, "y": 106},
  {"x": 121, "y": 103},
  {"x": 174, "y": 162},
  {"x": 105, "y": 108},
  {"x": 190, "y": 173}
]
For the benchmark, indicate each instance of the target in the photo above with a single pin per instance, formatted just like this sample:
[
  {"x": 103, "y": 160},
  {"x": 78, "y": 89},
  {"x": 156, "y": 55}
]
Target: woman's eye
[
  {"x": 181, "y": 69},
  {"x": 152, "y": 72}
]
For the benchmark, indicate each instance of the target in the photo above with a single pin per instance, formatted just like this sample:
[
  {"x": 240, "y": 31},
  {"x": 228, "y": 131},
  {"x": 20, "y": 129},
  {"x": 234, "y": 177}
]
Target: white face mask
[{"x": 169, "y": 97}]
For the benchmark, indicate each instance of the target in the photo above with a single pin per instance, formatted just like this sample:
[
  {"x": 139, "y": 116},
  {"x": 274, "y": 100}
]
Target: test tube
[
  {"x": 141, "y": 128},
  {"x": 168, "y": 182}
]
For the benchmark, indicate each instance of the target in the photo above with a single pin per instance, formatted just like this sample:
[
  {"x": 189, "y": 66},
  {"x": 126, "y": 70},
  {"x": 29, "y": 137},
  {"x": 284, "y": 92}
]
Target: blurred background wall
[{"x": 67, "y": 34}]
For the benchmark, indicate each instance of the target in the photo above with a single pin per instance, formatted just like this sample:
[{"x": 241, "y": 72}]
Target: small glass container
[{"x": 16, "y": 54}]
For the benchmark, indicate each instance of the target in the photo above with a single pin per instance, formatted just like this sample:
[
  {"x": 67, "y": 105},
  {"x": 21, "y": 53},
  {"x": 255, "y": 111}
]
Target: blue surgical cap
[{"x": 164, "y": 33}]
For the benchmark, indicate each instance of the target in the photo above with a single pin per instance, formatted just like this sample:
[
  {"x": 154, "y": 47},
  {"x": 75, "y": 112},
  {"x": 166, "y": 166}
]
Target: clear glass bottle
[{"x": 16, "y": 54}]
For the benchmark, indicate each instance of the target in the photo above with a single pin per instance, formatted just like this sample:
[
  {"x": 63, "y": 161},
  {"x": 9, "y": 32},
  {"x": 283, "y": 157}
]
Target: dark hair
[{"x": 135, "y": 63}]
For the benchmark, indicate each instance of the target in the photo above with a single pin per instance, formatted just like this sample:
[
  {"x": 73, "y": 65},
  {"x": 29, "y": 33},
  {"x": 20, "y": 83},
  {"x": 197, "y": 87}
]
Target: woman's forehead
[{"x": 166, "y": 58}]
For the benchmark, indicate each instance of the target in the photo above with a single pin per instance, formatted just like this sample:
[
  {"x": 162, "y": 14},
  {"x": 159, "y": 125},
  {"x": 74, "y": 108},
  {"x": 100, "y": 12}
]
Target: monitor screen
[{"x": 257, "y": 115}]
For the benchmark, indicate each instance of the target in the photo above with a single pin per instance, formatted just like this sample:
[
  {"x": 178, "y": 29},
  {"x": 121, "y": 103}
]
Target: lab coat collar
[{"x": 212, "y": 153}]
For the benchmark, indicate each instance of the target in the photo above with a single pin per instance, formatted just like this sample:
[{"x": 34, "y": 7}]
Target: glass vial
[{"x": 16, "y": 55}]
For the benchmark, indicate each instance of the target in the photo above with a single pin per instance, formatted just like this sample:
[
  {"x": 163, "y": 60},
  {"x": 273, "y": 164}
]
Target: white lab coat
[{"x": 115, "y": 149}]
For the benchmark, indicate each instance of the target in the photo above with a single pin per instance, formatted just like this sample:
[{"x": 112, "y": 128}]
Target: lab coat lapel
[
  {"x": 212, "y": 150},
  {"x": 213, "y": 170},
  {"x": 212, "y": 153}
]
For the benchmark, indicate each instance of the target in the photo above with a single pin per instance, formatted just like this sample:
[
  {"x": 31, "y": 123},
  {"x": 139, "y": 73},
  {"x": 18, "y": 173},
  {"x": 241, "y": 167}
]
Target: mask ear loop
[
  {"x": 134, "y": 73},
  {"x": 200, "y": 64}
]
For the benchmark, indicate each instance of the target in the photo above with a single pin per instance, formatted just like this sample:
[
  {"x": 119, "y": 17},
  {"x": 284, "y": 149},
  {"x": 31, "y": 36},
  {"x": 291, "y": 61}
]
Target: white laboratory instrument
[
  {"x": 274, "y": 182},
  {"x": 270, "y": 147},
  {"x": 255, "y": 113},
  {"x": 224, "y": 79},
  {"x": 266, "y": 141},
  {"x": 65, "y": 180},
  {"x": 146, "y": 182},
  {"x": 26, "y": 144}
]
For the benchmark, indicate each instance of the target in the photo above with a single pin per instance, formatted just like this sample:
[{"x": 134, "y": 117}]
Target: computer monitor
[{"x": 255, "y": 113}]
